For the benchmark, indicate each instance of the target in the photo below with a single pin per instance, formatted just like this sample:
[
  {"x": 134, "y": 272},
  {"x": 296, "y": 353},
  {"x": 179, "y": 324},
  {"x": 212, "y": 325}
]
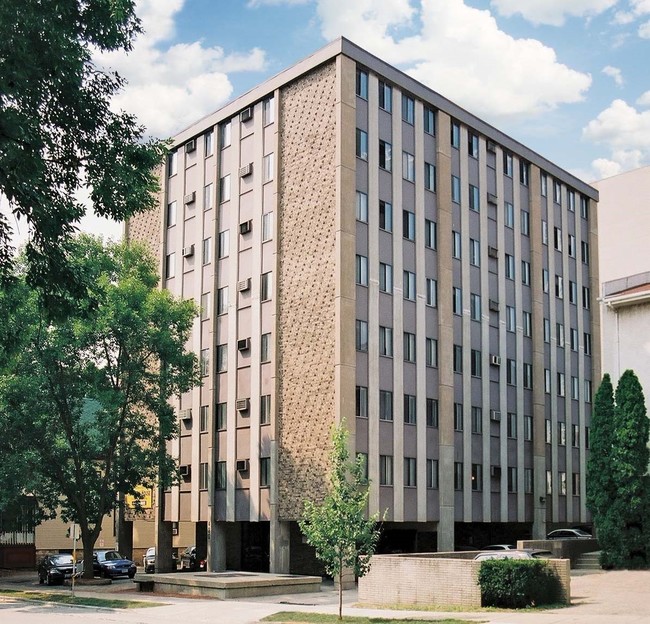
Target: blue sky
[{"x": 568, "y": 78}]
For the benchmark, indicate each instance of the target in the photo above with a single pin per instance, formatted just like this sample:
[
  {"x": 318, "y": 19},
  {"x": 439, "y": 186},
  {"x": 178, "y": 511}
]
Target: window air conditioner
[
  {"x": 188, "y": 251},
  {"x": 242, "y": 405},
  {"x": 246, "y": 170},
  {"x": 244, "y": 344},
  {"x": 185, "y": 471},
  {"x": 190, "y": 146},
  {"x": 244, "y": 284},
  {"x": 189, "y": 198},
  {"x": 491, "y": 147},
  {"x": 245, "y": 227},
  {"x": 185, "y": 414},
  {"x": 495, "y": 415},
  {"x": 492, "y": 198},
  {"x": 242, "y": 465},
  {"x": 493, "y": 304},
  {"x": 246, "y": 114},
  {"x": 495, "y": 471},
  {"x": 493, "y": 252},
  {"x": 495, "y": 360}
]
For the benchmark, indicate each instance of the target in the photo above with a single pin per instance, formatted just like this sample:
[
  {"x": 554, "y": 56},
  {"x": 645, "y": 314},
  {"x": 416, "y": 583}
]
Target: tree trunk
[{"x": 88, "y": 541}]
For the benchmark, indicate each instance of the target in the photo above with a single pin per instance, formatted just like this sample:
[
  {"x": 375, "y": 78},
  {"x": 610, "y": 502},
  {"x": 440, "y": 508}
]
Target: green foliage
[
  {"x": 515, "y": 584},
  {"x": 617, "y": 484},
  {"x": 59, "y": 133},
  {"x": 84, "y": 398},
  {"x": 338, "y": 528}
]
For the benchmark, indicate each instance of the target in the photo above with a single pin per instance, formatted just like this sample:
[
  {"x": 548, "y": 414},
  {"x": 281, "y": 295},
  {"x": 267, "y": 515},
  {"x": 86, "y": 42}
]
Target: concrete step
[{"x": 588, "y": 561}]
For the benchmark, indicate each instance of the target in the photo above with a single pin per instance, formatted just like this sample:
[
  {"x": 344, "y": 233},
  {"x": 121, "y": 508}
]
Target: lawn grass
[
  {"x": 68, "y": 599},
  {"x": 331, "y": 618}
]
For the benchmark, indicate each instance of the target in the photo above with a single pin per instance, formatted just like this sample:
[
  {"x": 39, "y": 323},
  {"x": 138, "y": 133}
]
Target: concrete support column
[
  {"x": 217, "y": 547},
  {"x": 124, "y": 534},
  {"x": 279, "y": 548}
]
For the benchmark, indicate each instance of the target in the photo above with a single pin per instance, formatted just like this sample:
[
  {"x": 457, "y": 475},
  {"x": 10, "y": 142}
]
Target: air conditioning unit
[
  {"x": 244, "y": 285},
  {"x": 189, "y": 198},
  {"x": 492, "y": 198},
  {"x": 185, "y": 414},
  {"x": 242, "y": 465},
  {"x": 185, "y": 471},
  {"x": 244, "y": 344},
  {"x": 188, "y": 251},
  {"x": 495, "y": 471},
  {"x": 242, "y": 405},
  {"x": 246, "y": 114},
  {"x": 246, "y": 227},
  {"x": 491, "y": 147},
  {"x": 493, "y": 252},
  {"x": 493, "y": 304},
  {"x": 190, "y": 146},
  {"x": 495, "y": 360},
  {"x": 495, "y": 415},
  {"x": 246, "y": 170}
]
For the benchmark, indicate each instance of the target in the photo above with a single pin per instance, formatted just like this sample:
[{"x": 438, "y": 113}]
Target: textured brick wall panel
[{"x": 306, "y": 284}]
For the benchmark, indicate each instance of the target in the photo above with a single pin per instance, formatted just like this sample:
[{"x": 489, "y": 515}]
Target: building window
[
  {"x": 507, "y": 164},
  {"x": 509, "y": 215},
  {"x": 511, "y": 372},
  {"x": 559, "y": 334},
  {"x": 574, "y": 339},
  {"x": 429, "y": 120},
  {"x": 265, "y": 471},
  {"x": 572, "y": 246},
  {"x": 268, "y": 111},
  {"x": 511, "y": 425},
  {"x": 432, "y": 413},
  {"x": 430, "y": 234},
  {"x": 429, "y": 177},
  {"x": 549, "y": 482},
  {"x": 204, "y": 362},
  {"x": 220, "y": 416},
  {"x": 385, "y": 155},
  {"x": 575, "y": 436},
  {"x": 385, "y": 278},
  {"x": 408, "y": 109},
  {"x": 528, "y": 324},
  {"x": 458, "y": 475},
  {"x": 385, "y": 216},
  {"x": 362, "y": 460},
  {"x": 410, "y": 409},
  {"x": 455, "y": 134},
  {"x": 525, "y": 273},
  {"x": 385, "y": 97},
  {"x": 543, "y": 180},
  {"x": 432, "y": 474},
  {"x": 207, "y": 196},
  {"x": 386, "y": 341},
  {"x": 545, "y": 280},
  {"x": 547, "y": 381},
  {"x": 475, "y": 361},
  {"x": 575, "y": 484},
  {"x": 477, "y": 477},
  {"x": 205, "y": 306},
  {"x": 455, "y": 245},
  {"x": 544, "y": 232},
  {"x": 408, "y": 166},
  {"x": 408, "y": 225},
  {"x": 362, "y": 207},
  {"x": 222, "y": 300},
  {"x": 524, "y": 172},
  {"x": 525, "y": 222},
  {"x": 510, "y": 267},
  {"x": 361, "y": 335},
  {"x": 203, "y": 476},
  {"x": 221, "y": 476},
  {"x": 547, "y": 330},
  {"x": 557, "y": 238},
  {"x": 224, "y": 243},
  {"x": 268, "y": 167},
  {"x": 584, "y": 207},
  {"x": 474, "y": 252},
  {"x": 208, "y": 143},
  {"x": 575, "y": 389},
  {"x": 458, "y": 359},
  {"x": 458, "y": 416},
  {"x": 584, "y": 246},
  {"x": 557, "y": 192},
  {"x": 573, "y": 292},
  {"x": 172, "y": 164},
  {"x": 409, "y": 347},
  {"x": 225, "y": 134},
  {"x": 457, "y": 301},
  {"x": 267, "y": 226},
  {"x": 586, "y": 298},
  {"x": 361, "y": 403},
  {"x": 528, "y": 480},
  {"x": 362, "y": 84},
  {"x": 563, "y": 483},
  {"x": 265, "y": 409},
  {"x": 385, "y": 470},
  {"x": 385, "y": 405},
  {"x": 204, "y": 412},
  {"x": 409, "y": 285},
  {"x": 266, "y": 286},
  {"x": 512, "y": 479},
  {"x": 511, "y": 322},
  {"x": 587, "y": 343},
  {"x": 222, "y": 358},
  {"x": 432, "y": 292},
  {"x": 362, "y": 144},
  {"x": 528, "y": 376},
  {"x": 171, "y": 214},
  {"x": 224, "y": 189},
  {"x": 362, "y": 270},
  {"x": 472, "y": 144},
  {"x": 477, "y": 419},
  {"x": 474, "y": 198},
  {"x": 455, "y": 189},
  {"x": 548, "y": 431},
  {"x": 587, "y": 392},
  {"x": 431, "y": 352},
  {"x": 528, "y": 428},
  {"x": 206, "y": 251},
  {"x": 170, "y": 265},
  {"x": 571, "y": 196},
  {"x": 475, "y": 307},
  {"x": 265, "y": 347}
]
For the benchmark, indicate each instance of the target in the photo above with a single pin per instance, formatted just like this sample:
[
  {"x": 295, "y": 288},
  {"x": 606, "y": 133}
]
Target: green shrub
[{"x": 516, "y": 583}]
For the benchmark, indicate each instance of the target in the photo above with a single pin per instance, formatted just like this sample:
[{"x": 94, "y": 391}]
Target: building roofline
[{"x": 363, "y": 57}]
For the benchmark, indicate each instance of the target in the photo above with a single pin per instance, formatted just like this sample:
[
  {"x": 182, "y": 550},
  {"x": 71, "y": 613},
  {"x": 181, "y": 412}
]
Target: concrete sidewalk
[{"x": 621, "y": 597}]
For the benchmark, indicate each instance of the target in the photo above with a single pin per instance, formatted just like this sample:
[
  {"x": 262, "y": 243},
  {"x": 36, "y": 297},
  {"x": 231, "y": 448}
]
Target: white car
[
  {"x": 568, "y": 534},
  {"x": 503, "y": 554}
]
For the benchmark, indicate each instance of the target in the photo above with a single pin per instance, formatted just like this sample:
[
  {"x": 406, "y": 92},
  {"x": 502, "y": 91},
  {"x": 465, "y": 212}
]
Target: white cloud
[
  {"x": 460, "y": 52},
  {"x": 551, "y": 12},
  {"x": 171, "y": 86},
  {"x": 644, "y": 100},
  {"x": 614, "y": 73},
  {"x": 644, "y": 30},
  {"x": 257, "y": 3}
]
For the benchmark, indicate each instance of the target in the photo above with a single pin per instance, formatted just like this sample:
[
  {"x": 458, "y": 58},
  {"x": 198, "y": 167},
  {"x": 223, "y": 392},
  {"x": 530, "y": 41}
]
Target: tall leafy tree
[
  {"x": 85, "y": 397},
  {"x": 344, "y": 538},
  {"x": 59, "y": 133}
]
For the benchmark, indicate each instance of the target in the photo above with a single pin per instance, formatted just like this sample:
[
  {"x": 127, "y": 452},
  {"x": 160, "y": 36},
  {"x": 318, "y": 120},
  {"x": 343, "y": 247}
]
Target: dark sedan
[
  {"x": 110, "y": 564},
  {"x": 54, "y": 569}
]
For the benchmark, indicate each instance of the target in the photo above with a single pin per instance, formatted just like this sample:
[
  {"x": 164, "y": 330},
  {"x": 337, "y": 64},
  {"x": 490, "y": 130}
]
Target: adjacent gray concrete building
[{"x": 363, "y": 249}]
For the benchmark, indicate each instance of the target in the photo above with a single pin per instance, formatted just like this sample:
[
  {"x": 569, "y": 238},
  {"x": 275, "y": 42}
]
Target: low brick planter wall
[{"x": 449, "y": 579}]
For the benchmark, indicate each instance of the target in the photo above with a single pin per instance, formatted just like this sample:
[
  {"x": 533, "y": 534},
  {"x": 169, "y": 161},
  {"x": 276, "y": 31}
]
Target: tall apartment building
[{"x": 363, "y": 249}]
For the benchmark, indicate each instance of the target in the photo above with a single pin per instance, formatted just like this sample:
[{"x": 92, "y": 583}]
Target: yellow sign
[{"x": 143, "y": 499}]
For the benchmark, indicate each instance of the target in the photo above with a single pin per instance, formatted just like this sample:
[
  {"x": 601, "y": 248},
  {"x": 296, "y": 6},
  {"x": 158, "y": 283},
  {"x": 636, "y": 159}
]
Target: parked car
[
  {"x": 499, "y": 547},
  {"x": 191, "y": 561},
  {"x": 109, "y": 564},
  {"x": 149, "y": 560},
  {"x": 54, "y": 569},
  {"x": 503, "y": 554},
  {"x": 568, "y": 534}
]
